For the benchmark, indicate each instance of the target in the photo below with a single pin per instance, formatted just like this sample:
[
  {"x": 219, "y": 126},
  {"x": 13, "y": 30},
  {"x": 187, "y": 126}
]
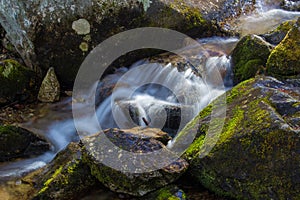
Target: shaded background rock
[
  {"x": 42, "y": 30},
  {"x": 255, "y": 156},
  {"x": 16, "y": 142}
]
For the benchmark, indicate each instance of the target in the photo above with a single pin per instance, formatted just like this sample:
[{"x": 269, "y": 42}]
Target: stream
[{"x": 179, "y": 89}]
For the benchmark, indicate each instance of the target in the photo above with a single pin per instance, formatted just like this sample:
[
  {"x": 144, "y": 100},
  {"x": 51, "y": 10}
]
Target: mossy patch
[{"x": 15, "y": 81}]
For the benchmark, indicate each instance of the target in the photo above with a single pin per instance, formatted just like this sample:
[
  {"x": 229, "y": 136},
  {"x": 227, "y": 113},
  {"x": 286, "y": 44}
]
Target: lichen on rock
[
  {"x": 81, "y": 26},
  {"x": 50, "y": 88}
]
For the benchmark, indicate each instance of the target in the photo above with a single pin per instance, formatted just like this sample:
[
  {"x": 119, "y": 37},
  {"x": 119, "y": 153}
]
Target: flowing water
[{"x": 145, "y": 89}]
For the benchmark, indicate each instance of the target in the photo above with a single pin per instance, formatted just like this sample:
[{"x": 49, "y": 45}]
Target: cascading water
[{"x": 158, "y": 93}]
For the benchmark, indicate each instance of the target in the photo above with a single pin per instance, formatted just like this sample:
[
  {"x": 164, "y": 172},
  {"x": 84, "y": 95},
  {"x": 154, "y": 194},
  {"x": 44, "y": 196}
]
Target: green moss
[
  {"x": 49, "y": 181},
  {"x": 250, "y": 54},
  {"x": 284, "y": 60},
  {"x": 286, "y": 26},
  {"x": 232, "y": 125},
  {"x": 15, "y": 80}
]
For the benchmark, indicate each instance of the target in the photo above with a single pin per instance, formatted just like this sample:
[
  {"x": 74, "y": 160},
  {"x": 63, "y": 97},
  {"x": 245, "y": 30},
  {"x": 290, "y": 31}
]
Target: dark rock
[
  {"x": 15, "y": 81},
  {"x": 129, "y": 178},
  {"x": 16, "y": 142},
  {"x": 284, "y": 60},
  {"x": 256, "y": 155},
  {"x": 249, "y": 56}
]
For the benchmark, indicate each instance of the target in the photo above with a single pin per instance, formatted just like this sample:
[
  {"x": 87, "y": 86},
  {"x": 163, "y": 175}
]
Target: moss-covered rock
[
  {"x": 125, "y": 174},
  {"x": 284, "y": 60},
  {"x": 66, "y": 177},
  {"x": 16, "y": 142},
  {"x": 249, "y": 55},
  {"x": 15, "y": 81},
  {"x": 256, "y": 155}
]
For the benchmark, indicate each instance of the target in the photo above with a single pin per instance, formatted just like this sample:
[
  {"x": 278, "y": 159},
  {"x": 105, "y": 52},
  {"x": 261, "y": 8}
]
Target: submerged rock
[
  {"x": 15, "y": 81},
  {"x": 16, "y": 142},
  {"x": 127, "y": 178},
  {"x": 284, "y": 60},
  {"x": 50, "y": 88},
  {"x": 249, "y": 56},
  {"x": 256, "y": 156}
]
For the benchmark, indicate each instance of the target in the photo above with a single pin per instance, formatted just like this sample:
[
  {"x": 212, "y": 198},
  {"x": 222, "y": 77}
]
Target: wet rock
[
  {"x": 166, "y": 116},
  {"x": 50, "y": 88},
  {"x": 16, "y": 142},
  {"x": 66, "y": 177},
  {"x": 154, "y": 133},
  {"x": 15, "y": 81},
  {"x": 167, "y": 193},
  {"x": 284, "y": 60},
  {"x": 129, "y": 178},
  {"x": 249, "y": 57},
  {"x": 256, "y": 155}
]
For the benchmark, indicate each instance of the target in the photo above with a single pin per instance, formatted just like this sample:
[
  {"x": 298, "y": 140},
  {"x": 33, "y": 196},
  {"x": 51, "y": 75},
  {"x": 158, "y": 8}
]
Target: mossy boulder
[
  {"x": 16, "y": 81},
  {"x": 256, "y": 155},
  {"x": 16, "y": 142},
  {"x": 249, "y": 56},
  {"x": 122, "y": 173},
  {"x": 66, "y": 177},
  {"x": 284, "y": 60}
]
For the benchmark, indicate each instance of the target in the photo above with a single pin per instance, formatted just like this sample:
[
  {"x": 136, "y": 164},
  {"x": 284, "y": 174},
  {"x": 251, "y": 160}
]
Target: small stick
[{"x": 145, "y": 121}]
